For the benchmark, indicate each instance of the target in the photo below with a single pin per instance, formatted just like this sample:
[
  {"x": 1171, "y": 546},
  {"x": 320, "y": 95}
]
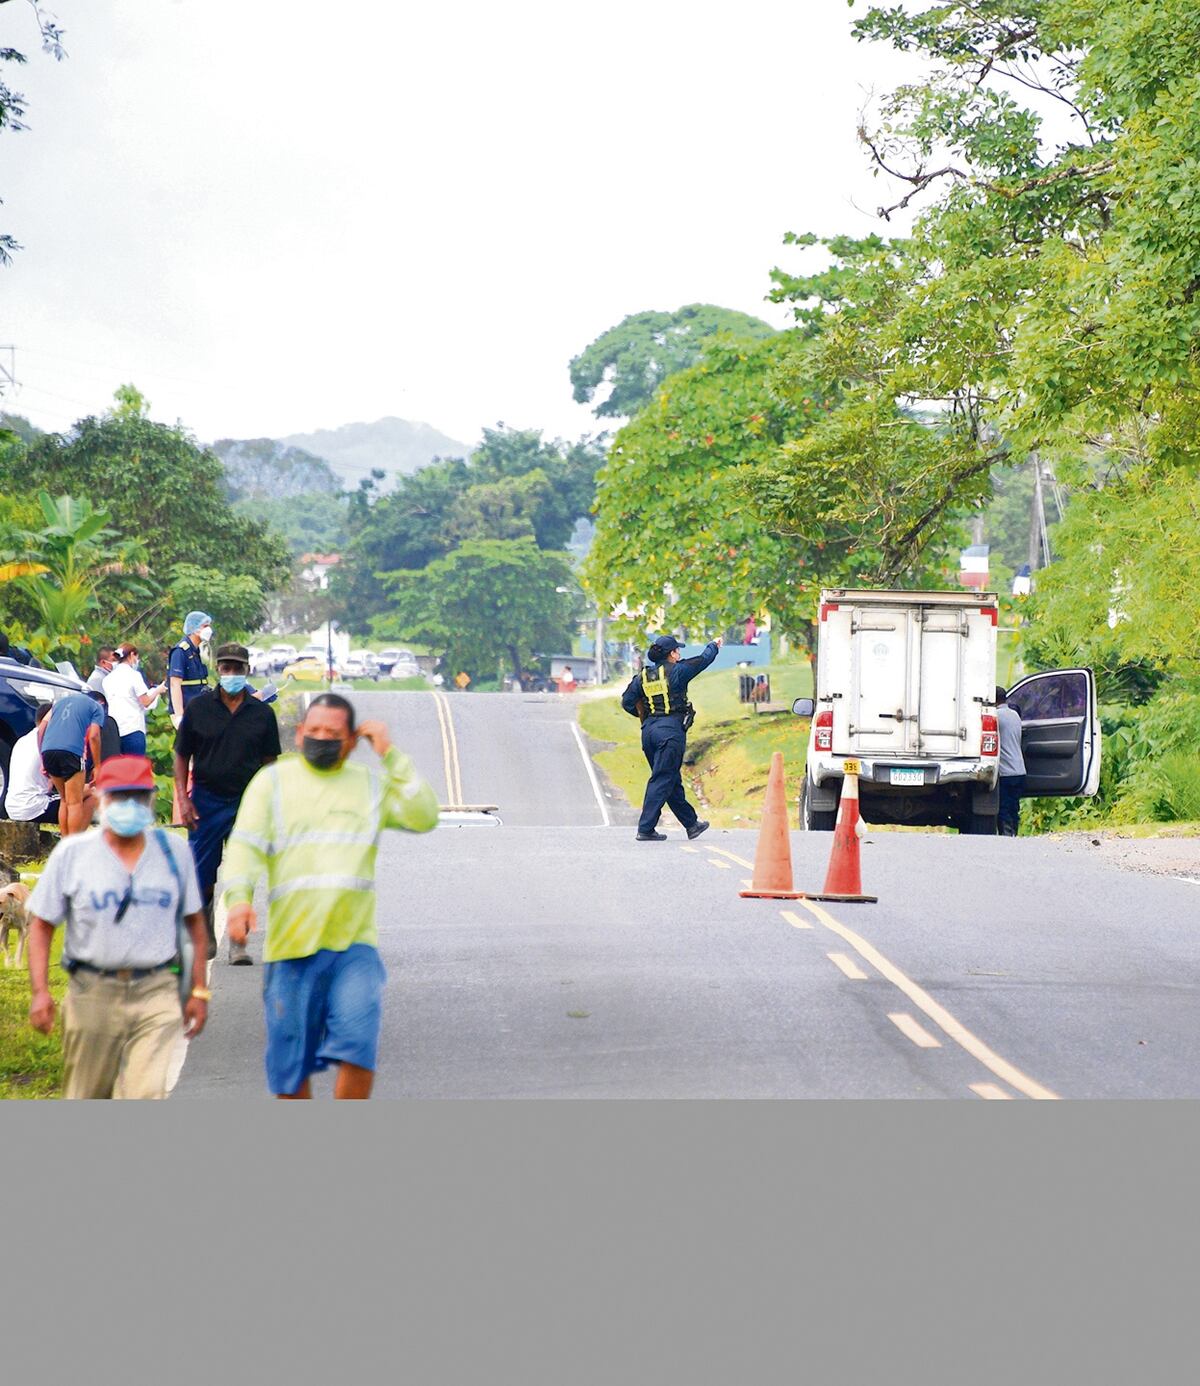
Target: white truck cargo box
[{"x": 906, "y": 685}]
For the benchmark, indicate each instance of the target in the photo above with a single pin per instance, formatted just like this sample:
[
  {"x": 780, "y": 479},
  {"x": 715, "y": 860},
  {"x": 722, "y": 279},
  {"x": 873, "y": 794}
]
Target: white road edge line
[{"x": 591, "y": 774}]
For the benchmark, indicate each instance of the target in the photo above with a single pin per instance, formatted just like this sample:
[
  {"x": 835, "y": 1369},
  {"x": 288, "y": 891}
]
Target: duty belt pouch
[{"x": 689, "y": 716}]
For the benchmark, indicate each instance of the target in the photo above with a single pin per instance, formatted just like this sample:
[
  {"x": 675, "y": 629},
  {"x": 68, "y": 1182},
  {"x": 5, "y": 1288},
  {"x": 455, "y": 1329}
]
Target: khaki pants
[{"x": 119, "y": 1037}]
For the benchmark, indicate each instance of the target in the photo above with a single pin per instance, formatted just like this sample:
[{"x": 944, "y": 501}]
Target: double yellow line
[{"x": 454, "y": 790}]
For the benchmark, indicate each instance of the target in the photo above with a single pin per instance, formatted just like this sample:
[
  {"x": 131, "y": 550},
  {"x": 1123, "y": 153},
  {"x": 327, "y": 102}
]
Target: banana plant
[{"x": 69, "y": 566}]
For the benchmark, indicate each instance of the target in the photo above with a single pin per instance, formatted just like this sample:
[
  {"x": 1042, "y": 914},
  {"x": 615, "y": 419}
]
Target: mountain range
[{"x": 394, "y": 446}]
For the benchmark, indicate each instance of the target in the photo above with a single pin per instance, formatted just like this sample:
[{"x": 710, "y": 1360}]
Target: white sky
[{"x": 279, "y": 215}]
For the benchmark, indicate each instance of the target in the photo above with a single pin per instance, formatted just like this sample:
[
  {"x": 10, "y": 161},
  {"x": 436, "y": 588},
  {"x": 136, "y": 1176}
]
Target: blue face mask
[
  {"x": 233, "y": 683},
  {"x": 127, "y": 817}
]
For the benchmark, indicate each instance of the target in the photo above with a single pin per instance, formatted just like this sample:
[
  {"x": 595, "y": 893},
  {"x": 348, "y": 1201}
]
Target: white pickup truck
[{"x": 906, "y": 685}]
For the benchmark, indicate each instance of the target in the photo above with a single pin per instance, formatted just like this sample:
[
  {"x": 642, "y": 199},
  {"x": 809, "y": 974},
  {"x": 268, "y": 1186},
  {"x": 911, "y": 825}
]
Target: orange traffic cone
[
  {"x": 773, "y": 858},
  {"x": 844, "y": 878}
]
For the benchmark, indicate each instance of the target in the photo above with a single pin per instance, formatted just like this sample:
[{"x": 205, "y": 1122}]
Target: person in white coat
[{"x": 128, "y": 698}]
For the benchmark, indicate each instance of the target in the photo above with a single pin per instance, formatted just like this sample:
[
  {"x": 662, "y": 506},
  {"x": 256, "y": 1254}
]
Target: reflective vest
[
  {"x": 314, "y": 835},
  {"x": 656, "y": 689}
]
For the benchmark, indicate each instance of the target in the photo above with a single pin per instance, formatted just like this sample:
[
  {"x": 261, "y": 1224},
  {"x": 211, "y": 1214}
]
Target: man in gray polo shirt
[
  {"x": 119, "y": 893},
  {"x": 1012, "y": 765}
]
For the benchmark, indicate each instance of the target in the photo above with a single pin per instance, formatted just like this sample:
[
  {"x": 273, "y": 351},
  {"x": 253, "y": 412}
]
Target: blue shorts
[{"x": 322, "y": 1010}]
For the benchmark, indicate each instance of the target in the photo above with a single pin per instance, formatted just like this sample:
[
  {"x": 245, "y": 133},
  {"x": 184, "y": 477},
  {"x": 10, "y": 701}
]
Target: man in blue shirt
[
  {"x": 658, "y": 695},
  {"x": 72, "y": 729}
]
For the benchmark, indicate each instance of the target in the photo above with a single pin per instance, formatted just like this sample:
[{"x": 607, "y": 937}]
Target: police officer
[
  {"x": 187, "y": 673},
  {"x": 658, "y": 695}
]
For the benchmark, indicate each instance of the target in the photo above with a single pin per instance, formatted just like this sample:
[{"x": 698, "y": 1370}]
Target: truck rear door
[
  {"x": 1060, "y": 732},
  {"x": 881, "y": 637},
  {"x": 937, "y": 702}
]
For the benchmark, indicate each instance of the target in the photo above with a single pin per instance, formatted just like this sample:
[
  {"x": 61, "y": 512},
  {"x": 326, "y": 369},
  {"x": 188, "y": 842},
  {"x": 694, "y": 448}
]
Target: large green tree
[
  {"x": 491, "y": 600},
  {"x": 673, "y": 530},
  {"x": 630, "y": 361},
  {"x": 158, "y": 486},
  {"x": 514, "y": 484}
]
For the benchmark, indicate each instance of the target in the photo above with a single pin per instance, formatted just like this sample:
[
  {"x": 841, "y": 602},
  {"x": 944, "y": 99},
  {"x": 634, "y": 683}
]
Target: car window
[{"x": 1051, "y": 696}]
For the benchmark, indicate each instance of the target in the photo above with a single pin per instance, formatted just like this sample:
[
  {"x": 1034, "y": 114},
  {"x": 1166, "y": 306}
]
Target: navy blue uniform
[
  {"x": 664, "y": 742},
  {"x": 185, "y": 664}
]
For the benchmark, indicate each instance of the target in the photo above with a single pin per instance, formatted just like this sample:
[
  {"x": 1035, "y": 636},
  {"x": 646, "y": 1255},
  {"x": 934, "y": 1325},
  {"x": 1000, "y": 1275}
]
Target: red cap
[{"x": 124, "y": 772}]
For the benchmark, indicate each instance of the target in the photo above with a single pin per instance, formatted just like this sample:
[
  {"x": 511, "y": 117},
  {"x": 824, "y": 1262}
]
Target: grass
[
  {"x": 30, "y": 1064},
  {"x": 729, "y": 748}
]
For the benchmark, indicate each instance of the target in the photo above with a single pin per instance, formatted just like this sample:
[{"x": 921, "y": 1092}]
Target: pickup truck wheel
[
  {"x": 979, "y": 824},
  {"x": 815, "y": 820}
]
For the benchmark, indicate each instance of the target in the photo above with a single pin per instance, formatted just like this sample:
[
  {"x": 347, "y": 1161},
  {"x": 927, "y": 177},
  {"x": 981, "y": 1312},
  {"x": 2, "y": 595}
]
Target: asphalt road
[{"x": 556, "y": 957}]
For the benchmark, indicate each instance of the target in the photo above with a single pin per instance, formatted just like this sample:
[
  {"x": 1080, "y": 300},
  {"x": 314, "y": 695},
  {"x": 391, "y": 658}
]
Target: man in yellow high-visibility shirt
[{"x": 311, "y": 824}]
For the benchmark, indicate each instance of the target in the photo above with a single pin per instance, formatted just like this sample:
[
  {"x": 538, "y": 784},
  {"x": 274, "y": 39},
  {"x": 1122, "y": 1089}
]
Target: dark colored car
[{"x": 22, "y": 687}]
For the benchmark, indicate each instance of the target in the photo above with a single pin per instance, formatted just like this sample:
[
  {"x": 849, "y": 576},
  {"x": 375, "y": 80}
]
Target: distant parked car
[
  {"x": 307, "y": 670},
  {"x": 353, "y": 668},
  {"x": 22, "y": 687},
  {"x": 313, "y": 652},
  {"x": 279, "y": 656},
  {"x": 259, "y": 661},
  {"x": 405, "y": 665},
  {"x": 387, "y": 658},
  {"x": 369, "y": 660}
]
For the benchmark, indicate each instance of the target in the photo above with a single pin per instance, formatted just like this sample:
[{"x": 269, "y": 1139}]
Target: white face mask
[{"x": 205, "y": 633}]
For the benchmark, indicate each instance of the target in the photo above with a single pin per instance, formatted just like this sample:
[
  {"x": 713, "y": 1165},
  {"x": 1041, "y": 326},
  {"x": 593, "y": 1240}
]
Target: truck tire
[
  {"x": 815, "y": 820},
  {"x": 979, "y": 824}
]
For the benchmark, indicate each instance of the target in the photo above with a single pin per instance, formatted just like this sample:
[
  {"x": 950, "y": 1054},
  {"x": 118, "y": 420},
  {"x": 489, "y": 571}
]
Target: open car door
[{"x": 1060, "y": 732}]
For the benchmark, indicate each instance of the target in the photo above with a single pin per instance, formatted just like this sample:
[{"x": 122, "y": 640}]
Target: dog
[{"x": 14, "y": 916}]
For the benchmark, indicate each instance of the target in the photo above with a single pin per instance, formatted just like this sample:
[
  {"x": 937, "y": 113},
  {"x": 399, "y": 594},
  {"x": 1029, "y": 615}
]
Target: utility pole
[
  {"x": 1036, "y": 522},
  {"x": 599, "y": 647}
]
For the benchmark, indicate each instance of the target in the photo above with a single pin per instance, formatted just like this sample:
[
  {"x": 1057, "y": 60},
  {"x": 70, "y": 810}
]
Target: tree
[
  {"x": 636, "y": 356},
  {"x": 158, "y": 486},
  {"x": 491, "y": 599},
  {"x": 672, "y": 523},
  {"x": 234, "y": 602},
  {"x": 12, "y": 103},
  {"x": 514, "y": 484}
]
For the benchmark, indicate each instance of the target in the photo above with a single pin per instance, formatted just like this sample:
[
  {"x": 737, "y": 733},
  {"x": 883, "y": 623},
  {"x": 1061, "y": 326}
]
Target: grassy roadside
[
  {"x": 729, "y": 748},
  {"x": 30, "y": 1064}
]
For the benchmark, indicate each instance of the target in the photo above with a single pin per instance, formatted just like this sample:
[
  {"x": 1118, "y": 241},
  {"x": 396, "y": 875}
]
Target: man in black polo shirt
[{"x": 228, "y": 735}]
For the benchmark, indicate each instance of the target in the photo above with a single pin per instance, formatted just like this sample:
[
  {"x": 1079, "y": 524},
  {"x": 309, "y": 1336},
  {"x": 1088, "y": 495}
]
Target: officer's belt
[{"x": 191, "y": 683}]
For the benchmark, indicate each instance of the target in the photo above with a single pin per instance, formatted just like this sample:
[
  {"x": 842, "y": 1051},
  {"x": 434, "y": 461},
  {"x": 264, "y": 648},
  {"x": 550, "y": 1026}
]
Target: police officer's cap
[{"x": 662, "y": 647}]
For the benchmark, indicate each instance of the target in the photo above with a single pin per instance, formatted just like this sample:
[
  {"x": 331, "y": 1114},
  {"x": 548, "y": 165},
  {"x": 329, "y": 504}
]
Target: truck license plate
[{"x": 908, "y": 777}]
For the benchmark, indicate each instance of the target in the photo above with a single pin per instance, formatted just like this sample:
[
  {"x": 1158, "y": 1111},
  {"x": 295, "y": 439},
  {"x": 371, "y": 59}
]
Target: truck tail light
[
  {"x": 990, "y": 745},
  {"x": 824, "y": 726}
]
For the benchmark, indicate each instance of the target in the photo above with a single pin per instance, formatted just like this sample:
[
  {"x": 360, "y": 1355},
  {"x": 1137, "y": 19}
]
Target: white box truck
[{"x": 906, "y": 685}]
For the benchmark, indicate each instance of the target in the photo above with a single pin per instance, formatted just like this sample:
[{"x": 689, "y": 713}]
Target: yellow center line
[
  {"x": 721, "y": 865},
  {"x": 741, "y": 861},
  {"x": 919, "y": 1035},
  {"x": 991, "y": 1092},
  {"x": 793, "y": 918},
  {"x": 848, "y": 966},
  {"x": 683, "y": 847},
  {"x": 941, "y": 1017},
  {"x": 450, "y": 765}
]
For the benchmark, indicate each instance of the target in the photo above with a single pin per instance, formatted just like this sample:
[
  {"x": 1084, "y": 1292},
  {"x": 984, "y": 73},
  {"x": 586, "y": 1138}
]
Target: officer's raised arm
[{"x": 689, "y": 668}]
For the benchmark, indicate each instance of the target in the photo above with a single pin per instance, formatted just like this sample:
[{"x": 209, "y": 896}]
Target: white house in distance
[{"x": 316, "y": 567}]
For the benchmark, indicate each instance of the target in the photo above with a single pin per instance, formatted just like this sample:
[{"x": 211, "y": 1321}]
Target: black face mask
[{"x": 321, "y": 754}]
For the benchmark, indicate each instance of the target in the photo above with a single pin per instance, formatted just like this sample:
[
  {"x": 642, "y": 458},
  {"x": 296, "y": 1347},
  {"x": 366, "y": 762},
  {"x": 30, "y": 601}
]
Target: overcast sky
[{"x": 280, "y": 215}]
